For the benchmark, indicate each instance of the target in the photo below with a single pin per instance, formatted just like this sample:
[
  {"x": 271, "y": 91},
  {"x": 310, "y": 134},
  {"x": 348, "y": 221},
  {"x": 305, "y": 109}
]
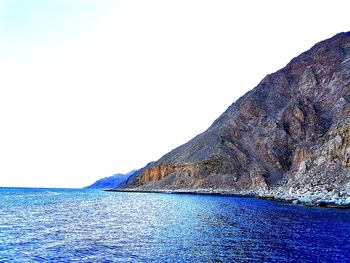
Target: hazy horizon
[{"x": 95, "y": 88}]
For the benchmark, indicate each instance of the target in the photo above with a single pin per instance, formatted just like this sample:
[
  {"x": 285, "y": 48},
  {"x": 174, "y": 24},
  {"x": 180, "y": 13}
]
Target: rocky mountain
[
  {"x": 288, "y": 138},
  {"x": 111, "y": 181}
]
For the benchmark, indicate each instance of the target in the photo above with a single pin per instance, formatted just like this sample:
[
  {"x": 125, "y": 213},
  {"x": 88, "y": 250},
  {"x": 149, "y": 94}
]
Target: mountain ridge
[{"x": 110, "y": 182}]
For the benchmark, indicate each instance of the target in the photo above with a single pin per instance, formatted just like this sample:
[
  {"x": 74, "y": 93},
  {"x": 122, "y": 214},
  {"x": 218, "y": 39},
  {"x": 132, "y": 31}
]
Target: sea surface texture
[{"x": 60, "y": 225}]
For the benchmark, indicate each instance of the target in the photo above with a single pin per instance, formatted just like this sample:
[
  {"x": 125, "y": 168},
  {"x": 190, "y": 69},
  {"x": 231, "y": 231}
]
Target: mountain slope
[
  {"x": 111, "y": 181},
  {"x": 288, "y": 136}
]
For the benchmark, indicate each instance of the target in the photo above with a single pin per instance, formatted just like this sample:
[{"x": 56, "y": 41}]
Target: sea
[{"x": 74, "y": 225}]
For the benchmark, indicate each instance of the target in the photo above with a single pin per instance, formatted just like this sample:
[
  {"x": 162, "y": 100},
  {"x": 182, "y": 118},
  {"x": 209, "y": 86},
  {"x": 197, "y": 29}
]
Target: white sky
[{"x": 92, "y": 88}]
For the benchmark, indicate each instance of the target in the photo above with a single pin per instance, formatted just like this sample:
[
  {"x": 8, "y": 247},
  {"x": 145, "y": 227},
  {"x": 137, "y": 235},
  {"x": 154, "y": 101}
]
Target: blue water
[{"x": 60, "y": 225}]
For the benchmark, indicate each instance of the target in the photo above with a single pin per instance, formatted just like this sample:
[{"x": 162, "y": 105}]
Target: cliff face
[{"x": 291, "y": 132}]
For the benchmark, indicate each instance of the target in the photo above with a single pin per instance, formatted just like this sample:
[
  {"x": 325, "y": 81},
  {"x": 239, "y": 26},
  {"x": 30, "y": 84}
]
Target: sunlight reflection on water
[{"x": 66, "y": 225}]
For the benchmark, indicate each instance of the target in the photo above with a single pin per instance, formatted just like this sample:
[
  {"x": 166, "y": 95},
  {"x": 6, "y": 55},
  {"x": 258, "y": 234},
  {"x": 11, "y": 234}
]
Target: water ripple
[{"x": 60, "y": 225}]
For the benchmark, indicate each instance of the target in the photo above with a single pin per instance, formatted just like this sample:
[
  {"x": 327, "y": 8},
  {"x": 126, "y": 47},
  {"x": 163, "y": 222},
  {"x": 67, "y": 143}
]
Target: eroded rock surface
[{"x": 289, "y": 136}]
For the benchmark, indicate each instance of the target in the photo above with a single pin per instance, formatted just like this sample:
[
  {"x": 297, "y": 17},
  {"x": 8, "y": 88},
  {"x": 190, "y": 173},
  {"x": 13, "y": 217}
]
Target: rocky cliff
[{"x": 287, "y": 138}]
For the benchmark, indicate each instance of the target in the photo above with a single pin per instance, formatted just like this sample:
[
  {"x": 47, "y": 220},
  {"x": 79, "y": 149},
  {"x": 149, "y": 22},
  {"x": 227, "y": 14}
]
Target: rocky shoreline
[
  {"x": 308, "y": 198},
  {"x": 331, "y": 200}
]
